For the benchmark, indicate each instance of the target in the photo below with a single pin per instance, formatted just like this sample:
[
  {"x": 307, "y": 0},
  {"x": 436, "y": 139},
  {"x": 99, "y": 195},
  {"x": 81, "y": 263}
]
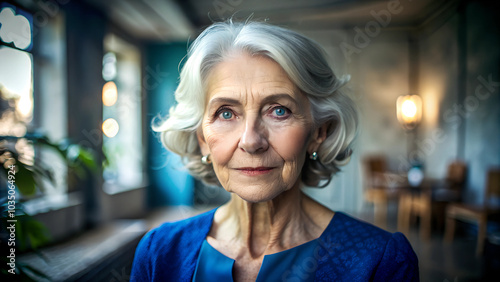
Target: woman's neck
[{"x": 263, "y": 228}]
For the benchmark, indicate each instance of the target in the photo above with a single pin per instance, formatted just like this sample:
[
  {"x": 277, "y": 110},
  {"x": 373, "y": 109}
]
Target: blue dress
[
  {"x": 348, "y": 250},
  {"x": 295, "y": 264}
]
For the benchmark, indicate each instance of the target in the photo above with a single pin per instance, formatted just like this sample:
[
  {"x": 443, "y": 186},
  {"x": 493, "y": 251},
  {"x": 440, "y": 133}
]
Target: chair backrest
[
  {"x": 374, "y": 168},
  {"x": 456, "y": 174},
  {"x": 492, "y": 184},
  {"x": 375, "y": 164}
]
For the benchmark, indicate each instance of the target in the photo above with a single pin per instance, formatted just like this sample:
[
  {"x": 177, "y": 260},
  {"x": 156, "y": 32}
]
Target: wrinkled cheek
[
  {"x": 291, "y": 145},
  {"x": 220, "y": 146}
]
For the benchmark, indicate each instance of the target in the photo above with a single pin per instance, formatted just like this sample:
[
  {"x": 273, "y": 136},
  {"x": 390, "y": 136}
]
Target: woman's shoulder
[
  {"x": 348, "y": 227},
  {"x": 171, "y": 249},
  {"x": 365, "y": 235},
  {"x": 363, "y": 250},
  {"x": 169, "y": 233}
]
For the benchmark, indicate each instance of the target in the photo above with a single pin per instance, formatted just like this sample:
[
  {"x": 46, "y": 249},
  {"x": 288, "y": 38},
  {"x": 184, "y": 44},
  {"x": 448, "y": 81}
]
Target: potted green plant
[{"x": 22, "y": 179}]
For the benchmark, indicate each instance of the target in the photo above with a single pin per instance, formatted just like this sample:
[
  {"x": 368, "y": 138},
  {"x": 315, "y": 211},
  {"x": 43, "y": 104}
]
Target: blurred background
[{"x": 81, "y": 83}]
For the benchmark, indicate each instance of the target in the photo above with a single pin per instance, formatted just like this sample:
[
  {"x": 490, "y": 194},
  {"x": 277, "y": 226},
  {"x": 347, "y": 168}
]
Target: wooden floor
[{"x": 441, "y": 261}]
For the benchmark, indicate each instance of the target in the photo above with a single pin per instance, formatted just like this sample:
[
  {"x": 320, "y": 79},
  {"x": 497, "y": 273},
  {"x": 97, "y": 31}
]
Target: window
[
  {"x": 16, "y": 84},
  {"x": 122, "y": 116},
  {"x": 16, "y": 70},
  {"x": 33, "y": 101}
]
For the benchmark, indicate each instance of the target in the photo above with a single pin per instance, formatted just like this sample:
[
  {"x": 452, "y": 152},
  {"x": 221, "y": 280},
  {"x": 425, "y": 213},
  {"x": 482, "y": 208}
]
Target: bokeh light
[
  {"x": 110, "y": 127},
  {"x": 109, "y": 70},
  {"x": 109, "y": 93}
]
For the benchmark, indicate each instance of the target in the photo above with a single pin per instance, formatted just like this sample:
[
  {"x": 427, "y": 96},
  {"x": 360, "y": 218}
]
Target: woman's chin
[
  {"x": 255, "y": 200},
  {"x": 256, "y": 195}
]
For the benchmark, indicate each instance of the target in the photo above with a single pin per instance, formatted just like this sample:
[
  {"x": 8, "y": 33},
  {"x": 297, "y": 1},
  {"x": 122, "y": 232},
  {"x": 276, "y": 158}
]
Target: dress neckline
[
  {"x": 321, "y": 237},
  {"x": 219, "y": 266},
  {"x": 212, "y": 265}
]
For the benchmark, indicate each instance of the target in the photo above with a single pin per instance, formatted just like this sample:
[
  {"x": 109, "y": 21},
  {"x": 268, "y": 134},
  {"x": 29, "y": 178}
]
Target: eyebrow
[
  {"x": 275, "y": 97},
  {"x": 224, "y": 100},
  {"x": 267, "y": 99}
]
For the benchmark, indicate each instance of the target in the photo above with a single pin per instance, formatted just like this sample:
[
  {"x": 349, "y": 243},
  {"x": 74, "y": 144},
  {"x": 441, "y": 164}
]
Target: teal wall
[
  {"x": 170, "y": 184},
  {"x": 460, "y": 75}
]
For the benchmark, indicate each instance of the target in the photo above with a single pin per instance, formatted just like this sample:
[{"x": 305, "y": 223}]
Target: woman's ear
[
  {"x": 201, "y": 141},
  {"x": 319, "y": 135}
]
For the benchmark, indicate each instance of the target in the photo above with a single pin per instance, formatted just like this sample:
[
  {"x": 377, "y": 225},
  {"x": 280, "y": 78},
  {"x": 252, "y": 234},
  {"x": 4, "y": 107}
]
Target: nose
[{"x": 254, "y": 139}]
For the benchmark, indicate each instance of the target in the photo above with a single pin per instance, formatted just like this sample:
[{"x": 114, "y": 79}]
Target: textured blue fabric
[
  {"x": 169, "y": 252},
  {"x": 348, "y": 250}
]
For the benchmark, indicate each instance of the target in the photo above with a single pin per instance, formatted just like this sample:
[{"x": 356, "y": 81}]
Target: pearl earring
[{"x": 206, "y": 160}]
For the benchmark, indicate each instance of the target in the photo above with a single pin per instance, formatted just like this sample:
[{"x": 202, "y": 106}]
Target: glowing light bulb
[{"x": 409, "y": 108}]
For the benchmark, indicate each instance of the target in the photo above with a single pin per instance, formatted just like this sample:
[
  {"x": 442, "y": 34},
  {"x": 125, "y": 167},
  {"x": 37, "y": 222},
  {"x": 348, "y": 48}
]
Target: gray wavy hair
[{"x": 304, "y": 62}]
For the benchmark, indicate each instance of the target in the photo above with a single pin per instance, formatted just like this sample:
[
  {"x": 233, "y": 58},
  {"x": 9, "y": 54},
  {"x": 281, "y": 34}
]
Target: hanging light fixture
[{"x": 409, "y": 111}]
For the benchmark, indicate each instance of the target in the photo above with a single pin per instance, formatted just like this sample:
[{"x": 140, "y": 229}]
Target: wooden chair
[
  {"x": 380, "y": 186},
  {"x": 451, "y": 190},
  {"x": 431, "y": 197},
  {"x": 479, "y": 214},
  {"x": 411, "y": 204}
]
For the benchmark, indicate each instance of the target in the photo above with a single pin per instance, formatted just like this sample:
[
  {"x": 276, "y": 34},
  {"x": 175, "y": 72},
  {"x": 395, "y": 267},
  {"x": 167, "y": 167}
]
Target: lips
[{"x": 252, "y": 171}]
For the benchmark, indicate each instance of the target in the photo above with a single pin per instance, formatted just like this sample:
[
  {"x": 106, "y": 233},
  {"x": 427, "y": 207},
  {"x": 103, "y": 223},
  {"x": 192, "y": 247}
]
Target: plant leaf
[
  {"x": 25, "y": 180},
  {"x": 87, "y": 158}
]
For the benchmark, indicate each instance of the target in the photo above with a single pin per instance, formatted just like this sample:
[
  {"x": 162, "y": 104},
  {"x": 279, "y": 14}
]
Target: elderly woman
[{"x": 259, "y": 112}]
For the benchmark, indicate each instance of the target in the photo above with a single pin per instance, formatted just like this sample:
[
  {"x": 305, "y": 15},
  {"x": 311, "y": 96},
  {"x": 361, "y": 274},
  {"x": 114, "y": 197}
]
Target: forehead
[{"x": 243, "y": 73}]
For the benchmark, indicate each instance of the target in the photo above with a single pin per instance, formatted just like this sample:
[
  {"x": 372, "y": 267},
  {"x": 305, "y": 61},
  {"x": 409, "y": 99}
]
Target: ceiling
[{"x": 172, "y": 20}]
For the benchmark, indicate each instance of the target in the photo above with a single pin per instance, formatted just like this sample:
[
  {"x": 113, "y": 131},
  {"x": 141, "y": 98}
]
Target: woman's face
[{"x": 257, "y": 127}]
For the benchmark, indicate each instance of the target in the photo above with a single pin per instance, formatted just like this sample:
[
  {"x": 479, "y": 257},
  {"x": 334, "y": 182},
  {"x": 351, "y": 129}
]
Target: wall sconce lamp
[{"x": 409, "y": 110}]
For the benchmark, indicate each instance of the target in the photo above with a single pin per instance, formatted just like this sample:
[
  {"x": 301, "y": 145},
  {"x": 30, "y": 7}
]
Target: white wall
[
  {"x": 462, "y": 119},
  {"x": 482, "y": 96}
]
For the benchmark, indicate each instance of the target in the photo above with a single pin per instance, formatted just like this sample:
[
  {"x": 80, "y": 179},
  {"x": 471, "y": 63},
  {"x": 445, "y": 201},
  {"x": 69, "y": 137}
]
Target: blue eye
[
  {"x": 226, "y": 115},
  {"x": 280, "y": 111}
]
